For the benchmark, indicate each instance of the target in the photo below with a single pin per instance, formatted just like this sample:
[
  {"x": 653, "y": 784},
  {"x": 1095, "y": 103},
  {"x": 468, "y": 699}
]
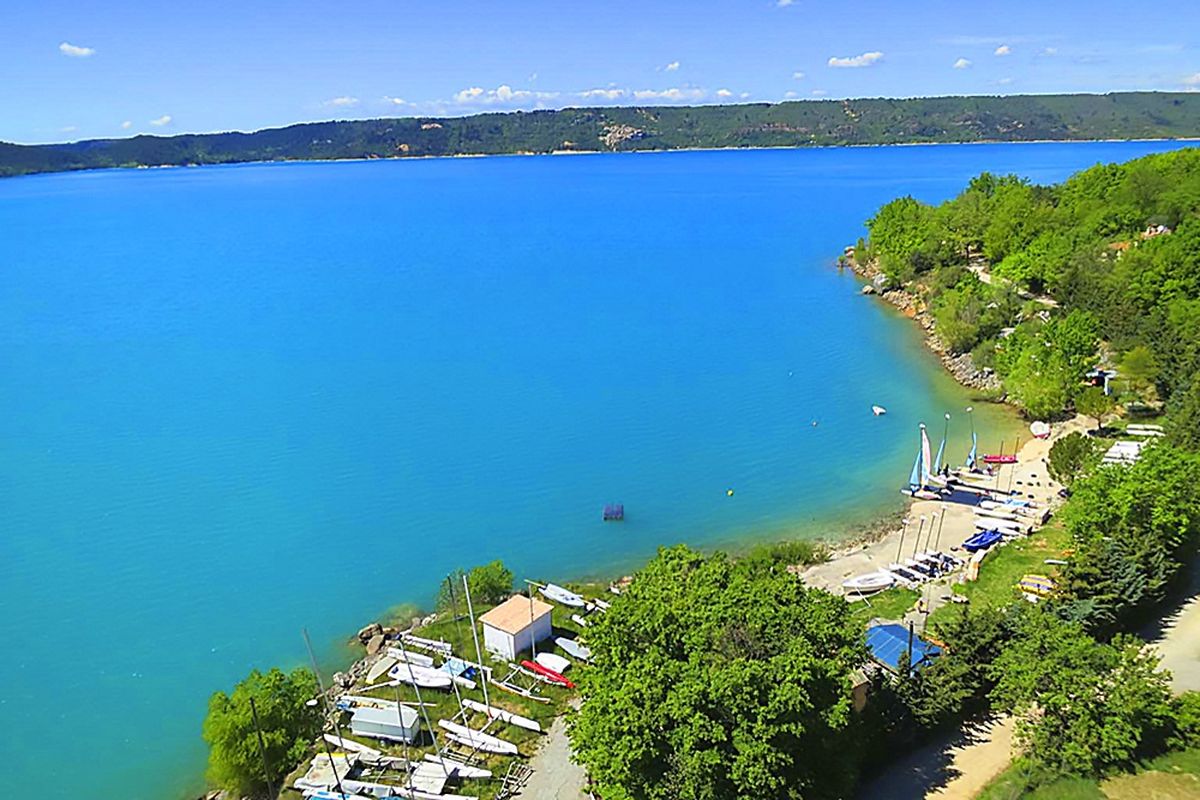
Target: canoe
[
  {"x": 553, "y": 662},
  {"x": 422, "y": 677},
  {"x": 477, "y": 739},
  {"x": 1005, "y": 458},
  {"x": 573, "y": 648},
  {"x": 982, "y": 541},
  {"x": 558, "y": 594},
  {"x": 504, "y": 716},
  {"x": 869, "y": 583},
  {"x": 549, "y": 674}
]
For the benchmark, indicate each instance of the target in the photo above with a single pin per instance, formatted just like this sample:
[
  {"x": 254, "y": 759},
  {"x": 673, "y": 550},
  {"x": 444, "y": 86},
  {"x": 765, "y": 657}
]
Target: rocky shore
[{"x": 961, "y": 366}]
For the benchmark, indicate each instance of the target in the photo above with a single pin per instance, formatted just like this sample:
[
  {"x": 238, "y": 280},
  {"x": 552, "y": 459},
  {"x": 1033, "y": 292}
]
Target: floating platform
[{"x": 614, "y": 512}]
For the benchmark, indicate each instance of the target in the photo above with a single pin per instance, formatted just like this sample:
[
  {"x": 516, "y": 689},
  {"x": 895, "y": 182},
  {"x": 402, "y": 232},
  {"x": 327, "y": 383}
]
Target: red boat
[
  {"x": 1000, "y": 459},
  {"x": 548, "y": 674}
]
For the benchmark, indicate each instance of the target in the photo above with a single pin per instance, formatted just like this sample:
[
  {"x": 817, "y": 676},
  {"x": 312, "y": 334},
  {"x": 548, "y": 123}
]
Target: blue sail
[
  {"x": 937, "y": 460},
  {"x": 914, "y": 480},
  {"x": 972, "y": 455}
]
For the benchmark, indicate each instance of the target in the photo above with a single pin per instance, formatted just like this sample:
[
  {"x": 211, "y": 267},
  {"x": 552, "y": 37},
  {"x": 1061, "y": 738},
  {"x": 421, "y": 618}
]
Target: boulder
[
  {"x": 375, "y": 644},
  {"x": 374, "y": 629}
]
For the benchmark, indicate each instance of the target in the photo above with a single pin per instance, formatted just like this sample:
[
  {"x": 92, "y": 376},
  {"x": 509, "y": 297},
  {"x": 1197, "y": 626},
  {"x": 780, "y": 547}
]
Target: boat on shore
[
  {"x": 559, "y": 594},
  {"x": 869, "y": 583},
  {"x": 477, "y": 740},
  {"x": 999, "y": 458},
  {"x": 547, "y": 674},
  {"x": 573, "y": 648},
  {"x": 421, "y": 677},
  {"x": 504, "y": 716},
  {"x": 553, "y": 662},
  {"x": 982, "y": 541}
]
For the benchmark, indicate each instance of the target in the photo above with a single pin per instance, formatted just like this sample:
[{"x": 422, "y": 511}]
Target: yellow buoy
[{"x": 729, "y": 492}]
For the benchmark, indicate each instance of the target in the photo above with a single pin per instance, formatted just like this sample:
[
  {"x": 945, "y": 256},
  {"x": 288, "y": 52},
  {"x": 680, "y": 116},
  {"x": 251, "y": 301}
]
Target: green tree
[
  {"x": 1139, "y": 368},
  {"x": 903, "y": 235},
  {"x": 1183, "y": 423},
  {"x": 1083, "y": 707},
  {"x": 289, "y": 726},
  {"x": 490, "y": 584},
  {"x": 1040, "y": 381},
  {"x": 717, "y": 681},
  {"x": 1071, "y": 456},
  {"x": 1093, "y": 402}
]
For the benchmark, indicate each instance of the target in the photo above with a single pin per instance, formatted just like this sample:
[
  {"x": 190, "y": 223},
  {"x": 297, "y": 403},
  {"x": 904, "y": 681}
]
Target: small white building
[
  {"x": 515, "y": 625},
  {"x": 385, "y": 723}
]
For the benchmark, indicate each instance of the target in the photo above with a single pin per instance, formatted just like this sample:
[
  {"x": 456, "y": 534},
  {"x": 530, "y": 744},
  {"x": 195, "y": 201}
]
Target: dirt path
[
  {"x": 555, "y": 776},
  {"x": 955, "y": 768}
]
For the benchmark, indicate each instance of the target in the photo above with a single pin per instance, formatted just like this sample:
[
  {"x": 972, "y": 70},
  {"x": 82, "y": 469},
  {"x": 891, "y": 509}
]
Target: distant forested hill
[{"x": 826, "y": 122}]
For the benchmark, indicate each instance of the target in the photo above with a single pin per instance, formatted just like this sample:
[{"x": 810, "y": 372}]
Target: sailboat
[{"x": 919, "y": 479}]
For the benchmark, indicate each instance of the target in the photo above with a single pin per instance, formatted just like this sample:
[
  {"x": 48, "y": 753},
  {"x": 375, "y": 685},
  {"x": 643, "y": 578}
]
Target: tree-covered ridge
[
  {"x": 1043, "y": 282},
  {"x": 794, "y": 124}
]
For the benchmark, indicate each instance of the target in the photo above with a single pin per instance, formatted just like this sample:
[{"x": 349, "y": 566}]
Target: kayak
[
  {"x": 1000, "y": 459},
  {"x": 548, "y": 674},
  {"x": 558, "y": 594}
]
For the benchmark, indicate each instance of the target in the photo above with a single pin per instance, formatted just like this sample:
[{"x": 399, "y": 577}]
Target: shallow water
[{"x": 242, "y": 400}]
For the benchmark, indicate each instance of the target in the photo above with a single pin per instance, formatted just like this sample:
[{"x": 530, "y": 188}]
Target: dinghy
[
  {"x": 504, "y": 716},
  {"x": 573, "y": 648},
  {"x": 553, "y": 662},
  {"x": 558, "y": 594},
  {"x": 1040, "y": 430},
  {"x": 878, "y": 411},
  {"x": 982, "y": 541},
  {"x": 422, "y": 677},
  {"x": 869, "y": 583},
  {"x": 547, "y": 674},
  {"x": 477, "y": 740}
]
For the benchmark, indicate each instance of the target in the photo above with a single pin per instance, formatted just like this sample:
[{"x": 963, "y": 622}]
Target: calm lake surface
[{"x": 237, "y": 401}]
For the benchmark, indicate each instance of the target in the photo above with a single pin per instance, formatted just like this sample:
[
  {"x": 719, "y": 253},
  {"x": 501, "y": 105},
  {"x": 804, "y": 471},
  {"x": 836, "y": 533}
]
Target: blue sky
[{"x": 74, "y": 69}]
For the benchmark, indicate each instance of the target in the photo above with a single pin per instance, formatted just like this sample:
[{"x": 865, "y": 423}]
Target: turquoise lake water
[{"x": 237, "y": 401}]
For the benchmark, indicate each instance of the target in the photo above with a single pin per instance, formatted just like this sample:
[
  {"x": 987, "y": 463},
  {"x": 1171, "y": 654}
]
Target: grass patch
[
  {"x": 1023, "y": 781},
  {"x": 1006, "y": 565},
  {"x": 891, "y": 603}
]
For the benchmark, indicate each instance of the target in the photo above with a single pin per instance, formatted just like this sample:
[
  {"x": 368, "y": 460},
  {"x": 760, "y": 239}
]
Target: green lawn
[
  {"x": 892, "y": 604},
  {"x": 1175, "y": 776},
  {"x": 1004, "y": 567}
]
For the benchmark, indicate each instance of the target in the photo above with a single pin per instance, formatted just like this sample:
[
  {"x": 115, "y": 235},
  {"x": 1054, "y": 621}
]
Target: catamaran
[
  {"x": 477, "y": 740},
  {"x": 547, "y": 674},
  {"x": 558, "y": 594},
  {"x": 504, "y": 716}
]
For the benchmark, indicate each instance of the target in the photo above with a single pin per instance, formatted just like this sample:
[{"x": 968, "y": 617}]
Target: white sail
[{"x": 925, "y": 457}]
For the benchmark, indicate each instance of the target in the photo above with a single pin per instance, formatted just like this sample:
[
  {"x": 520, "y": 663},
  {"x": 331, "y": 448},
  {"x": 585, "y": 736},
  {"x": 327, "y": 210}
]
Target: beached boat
[
  {"x": 982, "y": 541},
  {"x": 573, "y": 648},
  {"x": 580, "y": 621},
  {"x": 558, "y": 594},
  {"x": 477, "y": 740},
  {"x": 553, "y": 662},
  {"x": 550, "y": 675},
  {"x": 458, "y": 768},
  {"x": 409, "y": 657},
  {"x": 422, "y": 677},
  {"x": 869, "y": 583},
  {"x": 504, "y": 716},
  {"x": 999, "y": 458},
  {"x": 905, "y": 575},
  {"x": 1039, "y": 429}
]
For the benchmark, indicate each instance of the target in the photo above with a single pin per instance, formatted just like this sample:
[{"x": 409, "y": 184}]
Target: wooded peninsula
[{"x": 1017, "y": 118}]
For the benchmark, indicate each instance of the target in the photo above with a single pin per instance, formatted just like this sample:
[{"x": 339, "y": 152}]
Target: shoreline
[{"x": 553, "y": 153}]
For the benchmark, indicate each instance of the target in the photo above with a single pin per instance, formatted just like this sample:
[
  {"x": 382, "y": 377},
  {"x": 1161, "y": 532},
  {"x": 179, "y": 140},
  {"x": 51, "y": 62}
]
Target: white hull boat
[
  {"x": 504, "y": 716},
  {"x": 459, "y": 768},
  {"x": 580, "y": 621},
  {"x": 869, "y": 583},
  {"x": 477, "y": 739},
  {"x": 421, "y": 677},
  {"x": 573, "y": 648},
  {"x": 878, "y": 411},
  {"x": 553, "y": 662},
  {"x": 558, "y": 594},
  {"x": 408, "y": 656}
]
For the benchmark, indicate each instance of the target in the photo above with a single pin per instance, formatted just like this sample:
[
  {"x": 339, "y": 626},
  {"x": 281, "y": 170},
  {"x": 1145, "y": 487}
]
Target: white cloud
[
  {"x": 502, "y": 94},
  {"x": 819, "y": 92},
  {"x": 744, "y": 95},
  {"x": 1003, "y": 50},
  {"x": 672, "y": 67},
  {"x": 724, "y": 93},
  {"x": 798, "y": 76},
  {"x": 864, "y": 60},
  {"x": 68, "y": 129},
  {"x": 344, "y": 101},
  {"x": 602, "y": 94},
  {"x": 784, "y": 3},
  {"x": 162, "y": 121},
  {"x": 1005, "y": 81},
  {"x": 75, "y": 51},
  {"x": 1050, "y": 51},
  {"x": 1192, "y": 80},
  {"x": 126, "y": 125},
  {"x": 673, "y": 95},
  {"x": 962, "y": 63},
  {"x": 791, "y": 95},
  {"x": 396, "y": 101}
]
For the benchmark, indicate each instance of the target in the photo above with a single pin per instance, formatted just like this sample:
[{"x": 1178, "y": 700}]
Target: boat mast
[
  {"x": 420, "y": 704},
  {"x": 329, "y": 715},
  {"x": 475, "y": 636}
]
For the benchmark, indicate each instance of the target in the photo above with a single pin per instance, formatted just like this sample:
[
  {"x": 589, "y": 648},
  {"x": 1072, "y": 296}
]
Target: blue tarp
[{"x": 889, "y": 644}]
